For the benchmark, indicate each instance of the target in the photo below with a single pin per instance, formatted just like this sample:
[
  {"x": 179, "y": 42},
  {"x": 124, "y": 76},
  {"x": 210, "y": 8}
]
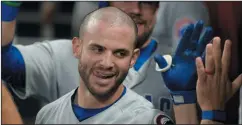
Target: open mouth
[
  {"x": 139, "y": 23},
  {"x": 104, "y": 75}
]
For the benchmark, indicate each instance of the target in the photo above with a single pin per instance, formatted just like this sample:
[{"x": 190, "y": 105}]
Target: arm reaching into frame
[
  {"x": 179, "y": 71},
  {"x": 214, "y": 88},
  {"x": 10, "y": 114}
]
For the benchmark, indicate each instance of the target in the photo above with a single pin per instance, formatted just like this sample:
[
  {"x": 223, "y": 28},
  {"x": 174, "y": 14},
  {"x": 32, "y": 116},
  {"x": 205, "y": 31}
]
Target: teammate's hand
[
  {"x": 213, "y": 86},
  {"x": 180, "y": 78}
]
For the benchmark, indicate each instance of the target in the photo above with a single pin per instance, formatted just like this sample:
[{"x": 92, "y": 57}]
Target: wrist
[
  {"x": 210, "y": 107},
  {"x": 9, "y": 10},
  {"x": 214, "y": 115},
  {"x": 183, "y": 97}
]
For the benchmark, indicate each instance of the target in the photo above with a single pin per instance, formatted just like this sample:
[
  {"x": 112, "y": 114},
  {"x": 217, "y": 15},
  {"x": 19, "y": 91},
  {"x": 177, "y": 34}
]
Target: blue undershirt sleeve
[{"x": 13, "y": 66}]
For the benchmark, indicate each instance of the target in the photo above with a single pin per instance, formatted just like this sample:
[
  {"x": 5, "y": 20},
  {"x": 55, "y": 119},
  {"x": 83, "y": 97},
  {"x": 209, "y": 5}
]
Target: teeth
[{"x": 105, "y": 75}]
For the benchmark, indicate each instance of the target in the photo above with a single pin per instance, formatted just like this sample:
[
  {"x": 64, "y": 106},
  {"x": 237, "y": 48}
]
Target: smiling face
[
  {"x": 105, "y": 55},
  {"x": 144, "y": 15}
]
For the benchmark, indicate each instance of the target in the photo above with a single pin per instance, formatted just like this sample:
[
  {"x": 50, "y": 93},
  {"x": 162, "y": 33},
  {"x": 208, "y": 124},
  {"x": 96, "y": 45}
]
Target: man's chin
[{"x": 101, "y": 94}]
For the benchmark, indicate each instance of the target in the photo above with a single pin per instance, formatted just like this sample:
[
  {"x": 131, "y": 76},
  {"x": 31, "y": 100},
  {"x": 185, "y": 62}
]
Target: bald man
[{"x": 105, "y": 49}]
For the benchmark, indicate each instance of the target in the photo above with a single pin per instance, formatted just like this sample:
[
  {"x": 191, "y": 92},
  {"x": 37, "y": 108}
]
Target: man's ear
[
  {"x": 76, "y": 46},
  {"x": 134, "y": 57}
]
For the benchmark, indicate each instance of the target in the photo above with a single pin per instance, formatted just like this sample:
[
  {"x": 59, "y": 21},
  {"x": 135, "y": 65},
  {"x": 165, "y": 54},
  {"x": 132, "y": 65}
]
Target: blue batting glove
[{"x": 179, "y": 71}]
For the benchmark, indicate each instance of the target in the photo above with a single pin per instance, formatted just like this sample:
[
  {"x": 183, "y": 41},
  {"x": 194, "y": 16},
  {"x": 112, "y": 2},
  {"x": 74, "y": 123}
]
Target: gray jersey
[
  {"x": 51, "y": 70},
  {"x": 130, "y": 109}
]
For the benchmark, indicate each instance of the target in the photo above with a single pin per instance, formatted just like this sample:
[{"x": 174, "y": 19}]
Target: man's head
[
  {"x": 106, "y": 50},
  {"x": 144, "y": 15}
]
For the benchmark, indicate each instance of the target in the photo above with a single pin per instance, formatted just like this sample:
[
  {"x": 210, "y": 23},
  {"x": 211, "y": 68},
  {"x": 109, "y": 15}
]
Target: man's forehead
[
  {"x": 115, "y": 29},
  {"x": 110, "y": 45}
]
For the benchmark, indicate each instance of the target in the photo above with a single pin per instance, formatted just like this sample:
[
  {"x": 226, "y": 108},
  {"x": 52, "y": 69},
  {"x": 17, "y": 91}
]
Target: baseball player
[
  {"x": 44, "y": 69},
  {"x": 105, "y": 51},
  {"x": 169, "y": 19},
  {"x": 187, "y": 38}
]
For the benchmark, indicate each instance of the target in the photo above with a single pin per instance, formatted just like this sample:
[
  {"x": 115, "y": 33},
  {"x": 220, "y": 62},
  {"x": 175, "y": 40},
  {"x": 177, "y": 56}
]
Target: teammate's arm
[
  {"x": 12, "y": 61},
  {"x": 186, "y": 113},
  {"x": 10, "y": 114},
  {"x": 180, "y": 78},
  {"x": 27, "y": 69},
  {"x": 9, "y": 13},
  {"x": 214, "y": 88},
  {"x": 180, "y": 15}
]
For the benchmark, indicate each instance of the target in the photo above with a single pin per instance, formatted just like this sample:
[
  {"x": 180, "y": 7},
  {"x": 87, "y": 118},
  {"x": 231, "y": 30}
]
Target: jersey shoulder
[
  {"x": 142, "y": 111},
  {"x": 50, "y": 48},
  {"x": 50, "y": 113}
]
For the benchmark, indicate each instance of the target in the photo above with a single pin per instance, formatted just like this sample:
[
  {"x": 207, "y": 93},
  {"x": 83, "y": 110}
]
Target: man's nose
[{"x": 107, "y": 61}]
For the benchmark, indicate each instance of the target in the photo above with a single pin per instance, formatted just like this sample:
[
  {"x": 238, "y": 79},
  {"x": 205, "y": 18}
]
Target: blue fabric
[
  {"x": 84, "y": 113},
  {"x": 13, "y": 67},
  {"x": 214, "y": 115},
  {"x": 102, "y": 4},
  {"x": 8, "y": 13},
  {"x": 145, "y": 53},
  {"x": 181, "y": 77}
]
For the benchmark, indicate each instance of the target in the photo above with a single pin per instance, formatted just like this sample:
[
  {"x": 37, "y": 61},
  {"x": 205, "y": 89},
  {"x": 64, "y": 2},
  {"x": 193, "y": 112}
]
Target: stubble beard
[
  {"x": 85, "y": 76},
  {"x": 144, "y": 37}
]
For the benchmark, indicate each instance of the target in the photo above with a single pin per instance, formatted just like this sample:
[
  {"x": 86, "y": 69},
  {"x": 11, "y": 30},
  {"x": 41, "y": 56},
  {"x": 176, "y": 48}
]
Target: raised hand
[
  {"x": 214, "y": 88},
  {"x": 180, "y": 77}
]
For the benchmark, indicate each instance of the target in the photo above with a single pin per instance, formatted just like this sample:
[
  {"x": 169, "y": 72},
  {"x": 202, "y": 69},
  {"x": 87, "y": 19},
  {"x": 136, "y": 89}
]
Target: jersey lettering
[
  {"x": 163, "y": 103},
  {"x": 149, "y": 97}
]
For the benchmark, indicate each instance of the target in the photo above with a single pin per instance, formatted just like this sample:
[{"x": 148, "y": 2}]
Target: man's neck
[{"x": 86, "y": 100}]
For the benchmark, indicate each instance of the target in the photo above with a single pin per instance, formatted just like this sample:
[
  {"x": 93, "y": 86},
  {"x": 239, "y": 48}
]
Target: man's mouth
[
  {"x": 104, "y": 75},
  {"x": 139, "y": 22}
]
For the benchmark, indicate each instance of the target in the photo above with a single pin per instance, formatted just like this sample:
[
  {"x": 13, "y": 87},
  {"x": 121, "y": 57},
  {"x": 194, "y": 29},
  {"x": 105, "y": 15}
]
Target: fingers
[
  {"x": 209, "y": 62},
  {"x": 200, "y": 70},
  {"x": 206, "y": 38},
  {"x": 160, "y": 61},
  {"x": 217, "y": 54},
  {"x": 236, "y": 84},
  {"x": 197, "y": 31},
  {"x": 226, "y": 58},
  {"x": 184, "y": 42}
]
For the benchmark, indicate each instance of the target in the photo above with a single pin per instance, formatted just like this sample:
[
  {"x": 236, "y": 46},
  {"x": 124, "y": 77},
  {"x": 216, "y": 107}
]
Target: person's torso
[{"x": 124, "y": 111}]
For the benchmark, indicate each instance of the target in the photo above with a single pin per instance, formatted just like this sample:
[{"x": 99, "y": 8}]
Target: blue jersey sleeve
[{"x": 13, "y": 66}]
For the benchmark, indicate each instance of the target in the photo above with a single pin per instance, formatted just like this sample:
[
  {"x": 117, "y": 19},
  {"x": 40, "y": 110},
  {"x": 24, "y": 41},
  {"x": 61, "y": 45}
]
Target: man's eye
[
  {"x": 97, "y": 49},
  {"x": 120, "y": 54}
]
